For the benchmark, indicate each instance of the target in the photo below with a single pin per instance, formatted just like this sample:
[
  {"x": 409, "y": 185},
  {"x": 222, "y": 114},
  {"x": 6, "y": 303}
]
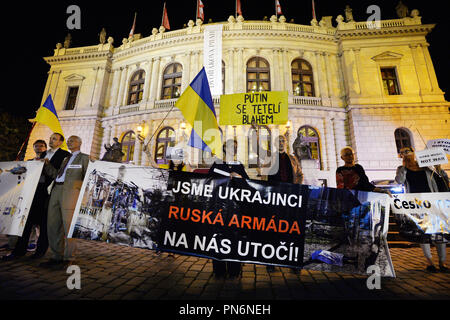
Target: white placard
[
  {"x": 431, "y": 157},
  {"x": 212, "y": 57},
  {"x": 18, "y": 182},
  {"x": 440, "y": 143}
]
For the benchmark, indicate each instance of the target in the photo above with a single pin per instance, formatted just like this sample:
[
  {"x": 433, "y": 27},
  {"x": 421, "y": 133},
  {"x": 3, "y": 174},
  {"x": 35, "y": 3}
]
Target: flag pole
[
  {"x": 196, "y": 12},
  {"x": 26, "y": 140},
  {"x": 164, "y": 9},
  {"x": 276, "y": 12}
]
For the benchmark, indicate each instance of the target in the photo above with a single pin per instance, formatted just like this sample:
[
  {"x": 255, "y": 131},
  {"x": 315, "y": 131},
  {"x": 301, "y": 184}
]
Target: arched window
[
  {"x": 258, "y": 75},
  {"x": 259, "y": 138},
  {"x": 128, "y": 142},
  {"x": 307, "y": 145},
  {"x": 165, "y": 138},
  {"x": 171, "y": 87},
  {"x": 136, "y": 87},
  {"x": 302, "y": 78},
  {"x": 402, "y": 139}
]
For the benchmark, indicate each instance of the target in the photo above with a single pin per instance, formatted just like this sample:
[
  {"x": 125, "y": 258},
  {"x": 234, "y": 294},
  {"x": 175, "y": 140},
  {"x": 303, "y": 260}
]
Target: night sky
[{"x": 32, "y": 29}]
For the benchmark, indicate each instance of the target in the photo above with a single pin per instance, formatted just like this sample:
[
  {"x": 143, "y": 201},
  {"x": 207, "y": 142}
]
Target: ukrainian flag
[
  {"x": 46, "y": 115},
  {"x": 196, "y": 105}
]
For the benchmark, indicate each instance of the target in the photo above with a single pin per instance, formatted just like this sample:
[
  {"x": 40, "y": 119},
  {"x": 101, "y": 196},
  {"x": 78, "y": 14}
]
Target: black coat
[{"x": 55, "y": 162}]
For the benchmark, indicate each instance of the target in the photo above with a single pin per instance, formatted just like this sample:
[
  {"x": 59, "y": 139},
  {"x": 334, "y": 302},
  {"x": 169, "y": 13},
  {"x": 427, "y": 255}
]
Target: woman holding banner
[{"x": 422, "y": 180}]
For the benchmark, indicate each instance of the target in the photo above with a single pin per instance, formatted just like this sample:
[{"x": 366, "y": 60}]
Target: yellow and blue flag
[
  {"x": 197, "y": 107},
  {"x": 47, "y": 115}
]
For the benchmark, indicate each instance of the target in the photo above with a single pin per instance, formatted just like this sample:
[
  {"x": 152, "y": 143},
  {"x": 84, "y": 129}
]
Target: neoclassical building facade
[{"x": 374, "y": 89}]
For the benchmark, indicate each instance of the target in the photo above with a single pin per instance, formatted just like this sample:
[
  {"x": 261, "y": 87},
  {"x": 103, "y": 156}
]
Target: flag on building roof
[
  {"x": 197, "y": 107},
  {"x": 200, "y": 13},
  {"x": 278, "y": 7},
  {"x": 238, "y": 7},
  {"x": 133, "y": 27},
  {"x": 165, "y": 20},
  {"x": 47, "y": 115}
]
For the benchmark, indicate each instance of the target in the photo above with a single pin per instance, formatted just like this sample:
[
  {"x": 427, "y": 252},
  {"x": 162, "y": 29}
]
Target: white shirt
[
  {"x": 72, "y": 157},
  {"x": 50, "y": 153}
]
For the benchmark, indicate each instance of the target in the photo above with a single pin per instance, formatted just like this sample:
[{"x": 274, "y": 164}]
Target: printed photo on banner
[
  {"x": 18, "y": 180},
  {"x": 258, "y": 108},
  {"x": 119, "y": 203},
  {"x": 346, "y": 231}
]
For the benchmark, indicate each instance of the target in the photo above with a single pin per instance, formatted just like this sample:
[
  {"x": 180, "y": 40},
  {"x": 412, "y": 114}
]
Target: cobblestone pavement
[{"x": 112, "y": 272}]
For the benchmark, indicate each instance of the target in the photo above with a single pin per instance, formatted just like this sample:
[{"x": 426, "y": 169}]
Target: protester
[
  {"x": 442, "y": 180},
  {"x": 422, "y": 180},
  {"x": 235, "y": 169},
  {"x": 288, "y": 171},
  {"x": 38, "y": 211},
  {"x": 63, "y": 199},
  {"x": 352, "y": 176}
]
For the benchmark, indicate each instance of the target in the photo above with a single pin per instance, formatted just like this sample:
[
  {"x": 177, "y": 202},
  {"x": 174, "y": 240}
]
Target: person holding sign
[
  {"x": 422, "y": 180},
  {"x": 232, "y": 169},
  {"x": 352, "y": 176}
]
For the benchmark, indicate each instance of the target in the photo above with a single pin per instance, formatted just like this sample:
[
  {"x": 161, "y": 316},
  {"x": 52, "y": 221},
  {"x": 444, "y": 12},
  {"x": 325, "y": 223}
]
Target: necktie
[{"x": 61, "y": 171}]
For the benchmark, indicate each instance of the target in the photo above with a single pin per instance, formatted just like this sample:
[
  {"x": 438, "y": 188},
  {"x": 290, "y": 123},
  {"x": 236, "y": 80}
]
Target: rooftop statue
[
  {"x": 67, "y": 41},
  {"x": 103, "y": 36},
  {"x": 348, "y": 14},
  {"x": 402, "y": 10}
]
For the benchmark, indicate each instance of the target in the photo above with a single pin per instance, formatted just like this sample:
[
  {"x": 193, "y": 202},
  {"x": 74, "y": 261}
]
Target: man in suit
[
  {"x": 63, "y": 199},
  {"x": 38, "y": 210}
]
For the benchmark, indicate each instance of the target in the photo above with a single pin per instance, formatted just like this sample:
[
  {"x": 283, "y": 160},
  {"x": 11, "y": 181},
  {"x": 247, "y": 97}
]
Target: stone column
[
  {"x": 286, "y": 78},
  {"x": 419, "y": 74},
  {"x": 115, "y": 83},
  {"x": 357, "y": 68},
  {"x": 117, "y": 101},
  {"x": 229, "y": 76},
  {"x": 148, "y": 75},
  {"x": 123, "y": 86},
  {"x": 241, "y": 72},
  {"x": 137, "y": 150},
  {"x": 430, "y": 68},
  {"x": 154, "y": 82},
  {"x": 316, "y": 73},
  {"x": 56, "y": 87},
  {"x": 186, "y": 71},
  {"x": 276, "y": 67},
  {"x": 95, "y": 85},
  {"x": 47, "y": 87},
  {"x": 326, "y": 68}
]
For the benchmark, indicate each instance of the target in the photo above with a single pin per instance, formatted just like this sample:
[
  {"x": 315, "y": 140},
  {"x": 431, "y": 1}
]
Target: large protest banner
[
  {"x": 258, "y": 108},
  {"x": 419, "y": 214},
  {"x": 250, "y": 221},
  {"x": 119, "y": 203},
  {"x": 18, "y": 182},
  {"x": 234, "y": 219}
]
